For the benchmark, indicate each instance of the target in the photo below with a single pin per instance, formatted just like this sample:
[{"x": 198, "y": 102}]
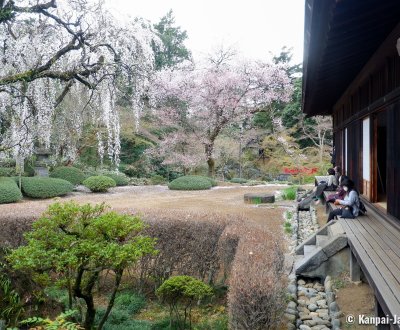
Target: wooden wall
[{"x": 393, "y": 160}]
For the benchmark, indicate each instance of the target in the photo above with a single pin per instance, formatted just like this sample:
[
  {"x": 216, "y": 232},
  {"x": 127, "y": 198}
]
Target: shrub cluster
[
  {"x": 238, "y": 180},
  {"x": 289, "y": 193},
  {"x": 9, "y": 191},
  {"x": 194, "y": 244},
  {"x": 120, "y": 178},
  {"x": 191, "y": 182},
  {"x": 257, "y": 291},
  {"x": 7, "y": 171},
  {"x": 69, "y": 173},
  {"x": 157, "y": 179},
  {"x": 99, "y": 183},
  {"x": 42, "y": 187}
]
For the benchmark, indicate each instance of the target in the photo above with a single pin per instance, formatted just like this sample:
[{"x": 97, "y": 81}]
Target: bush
[
  {"x": 120, "y": 178},
  {"x": 183, "y": 291},
  {"x": 190, "y": 182},
  {"x": 9, "y": 191},
  {"x": 130, "y": 302},
  {"x": 213, "y": 182},
  {"x": 289, "y": 193},
  {"x": 7, "y": 171},
  {"x": 254, "y": 183},
  {"x": 42, "y": 187},
  {"x": 157, "y": 179},
  {"x": 139, "y": 181},
  {"x": 99, "y": 183},
  {"x": 69, "y": 173},
  {"x": 257, "y": 288},
  {"x": 238, "y": 180}
]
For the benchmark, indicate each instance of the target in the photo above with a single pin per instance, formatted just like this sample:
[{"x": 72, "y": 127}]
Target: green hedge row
[
  {"x": 9, "y": 191},
  {"x": 41, "y": 187},
  {"x": 69, "y": 173},
  {"x": 7, "y": 171},
  {"x": 191, "y": 182}
]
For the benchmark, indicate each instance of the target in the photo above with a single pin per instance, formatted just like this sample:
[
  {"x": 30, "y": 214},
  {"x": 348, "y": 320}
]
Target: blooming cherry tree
[
  {"x": 206, "y": 100},
  {"x": 54, "y": 49}
]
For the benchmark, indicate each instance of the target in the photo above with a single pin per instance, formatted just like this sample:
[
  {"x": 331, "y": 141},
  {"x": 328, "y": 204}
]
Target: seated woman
[
  {"x": 350, "y": 204},
  {"x": 340, "y": 193}
]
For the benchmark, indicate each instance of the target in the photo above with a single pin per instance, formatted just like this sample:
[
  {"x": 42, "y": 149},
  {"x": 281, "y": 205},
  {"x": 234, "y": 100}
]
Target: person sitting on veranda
[
  {"x": 338, "y": 173},
  {"x": 340, "y": 193},
  {"x": 349, "y": 205},
  {"x": 330, "y": 185}
]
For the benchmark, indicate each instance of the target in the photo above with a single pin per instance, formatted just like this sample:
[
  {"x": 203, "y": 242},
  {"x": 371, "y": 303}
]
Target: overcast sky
[{"x": 254, "y": 27}]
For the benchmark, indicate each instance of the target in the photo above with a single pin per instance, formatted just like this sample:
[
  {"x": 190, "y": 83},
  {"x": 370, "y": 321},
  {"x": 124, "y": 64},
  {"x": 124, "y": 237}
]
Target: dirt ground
[
  {"x": 356, "y": 300},
  {"x": 224, "y": 199}
]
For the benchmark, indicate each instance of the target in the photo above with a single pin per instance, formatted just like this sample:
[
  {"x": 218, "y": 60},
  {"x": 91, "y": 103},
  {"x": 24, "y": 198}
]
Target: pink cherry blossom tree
[{"x": 205, "y": 100}]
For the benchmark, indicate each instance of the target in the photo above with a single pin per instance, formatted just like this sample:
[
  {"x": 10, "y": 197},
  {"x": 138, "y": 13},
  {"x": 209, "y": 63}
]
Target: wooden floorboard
[
  {"x": 375, "y": 264},
  {"x": 384, "y": 235},
  {"x": 383, "y": 254}
]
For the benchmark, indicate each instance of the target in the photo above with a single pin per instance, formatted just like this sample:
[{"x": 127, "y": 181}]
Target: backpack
[{"x": 362, "y": 208}]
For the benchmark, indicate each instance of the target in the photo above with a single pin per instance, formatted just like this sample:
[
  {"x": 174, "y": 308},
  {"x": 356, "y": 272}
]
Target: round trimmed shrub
[
  {"x": 120, "y": 178},
  {"x": 42, "y": 187},
  {"x": 190, "y": 182},
  {"x": 9, "y": 191},
  {"x": 69, "y": 173},
  {"x": 99, "y": 183},
  {"x": 238, "y": 180}
]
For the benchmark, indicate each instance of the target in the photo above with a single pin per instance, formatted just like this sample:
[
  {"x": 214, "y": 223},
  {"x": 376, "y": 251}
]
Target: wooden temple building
[{"x": 352, "y": 72}]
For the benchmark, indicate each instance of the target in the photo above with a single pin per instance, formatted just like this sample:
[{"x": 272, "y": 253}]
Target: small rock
[
  {"x": 328, "y": 278},
  {"x": 292, "y": 288},
  {"x": 317, "y": 327},
  {"x": 312, "y": 307},
  {"x": 301, "y": 282},
  {"x": 305, "y": 317},
  {"x": 310, "y": 323},
  {"x": 292, "y": 305},
  {"x": 291, "y": 311},
  {"x": 333, "y": 307},
  {"x": 290, "y": 317},
  {"x": 290, "y": 326},
  {"x": 301, "y": 302},
  {"x": 324, "y": 316},
  {"x": 303, "y": 309},
  {"x": 304, "y": 327},
  {"x": 328, "y": 286},
  {"x": 357, "y": 283},
  {"x": 298, "y": 322},
  {"x": 322, "y": 310},
  {"x": 337, "y": 315},
  {"x": 301, "y": 293},
  {"x": 321, "y": 302},
  {"x": 335, "y": 324},
  {"x": 330, "y": 297},
  {"x": 314, "y": 314}
]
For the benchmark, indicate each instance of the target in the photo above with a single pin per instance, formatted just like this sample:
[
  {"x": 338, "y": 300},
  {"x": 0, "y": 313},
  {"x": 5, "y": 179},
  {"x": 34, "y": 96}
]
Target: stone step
[
  {"x": 309, "y": 249},
  {"x": 321, "y": 240},
  {"x": 335, "y": 230}
]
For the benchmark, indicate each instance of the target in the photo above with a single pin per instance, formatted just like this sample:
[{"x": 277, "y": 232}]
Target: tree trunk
[
  {"x": 209, "y": 148},
  {"x": 211, "y": 167},
  {"x": 118, "y": 277}
]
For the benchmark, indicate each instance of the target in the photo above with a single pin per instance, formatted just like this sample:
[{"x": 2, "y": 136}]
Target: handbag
[{"x": 347, "y": 212}]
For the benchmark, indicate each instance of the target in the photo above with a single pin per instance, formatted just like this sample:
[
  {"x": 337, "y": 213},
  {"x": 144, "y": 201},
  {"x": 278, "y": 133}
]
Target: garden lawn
[{"x": 134, "y": 199}]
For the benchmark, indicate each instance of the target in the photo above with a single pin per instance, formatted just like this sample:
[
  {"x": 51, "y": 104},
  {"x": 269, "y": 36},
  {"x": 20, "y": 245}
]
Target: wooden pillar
[
  {"x": 380, "y": 313},
  {"x": 355, "y": 270}
]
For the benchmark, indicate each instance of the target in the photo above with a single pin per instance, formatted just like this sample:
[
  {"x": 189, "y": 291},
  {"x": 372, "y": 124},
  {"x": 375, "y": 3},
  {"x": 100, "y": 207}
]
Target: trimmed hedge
[
  {"x": 120, "y": 178},
  {"x": 99, "y": 183},
  {"x": 238, "y": 180},
  {"x": 69, "y": 173},
  {"x": 7, "y": 171},
  {"x": 42, "y": 187},
  {"x": 157, "y": 179},
  {"x": 190, "y": 182},
  {"x": 9, "y": 191}
]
